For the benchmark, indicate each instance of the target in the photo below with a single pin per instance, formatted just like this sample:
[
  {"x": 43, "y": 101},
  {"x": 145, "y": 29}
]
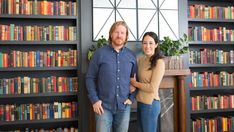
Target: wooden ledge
[{"x": 177, "y": 72}]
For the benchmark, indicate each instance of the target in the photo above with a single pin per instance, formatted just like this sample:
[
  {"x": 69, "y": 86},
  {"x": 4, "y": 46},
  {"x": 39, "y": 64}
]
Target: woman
[{"x": 151, "y": 68}]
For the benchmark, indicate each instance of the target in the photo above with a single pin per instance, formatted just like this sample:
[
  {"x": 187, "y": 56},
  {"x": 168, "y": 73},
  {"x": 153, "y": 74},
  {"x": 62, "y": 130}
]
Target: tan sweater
[{"x": 149, "y": 80}]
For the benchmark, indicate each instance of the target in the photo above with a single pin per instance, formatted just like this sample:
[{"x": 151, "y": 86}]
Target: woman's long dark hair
[{"x": 157, "y": 54}]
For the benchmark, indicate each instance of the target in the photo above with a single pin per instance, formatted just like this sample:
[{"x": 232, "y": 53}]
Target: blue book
[
  {"x": 59, "y": 110},
  {"x": 70, "y": 84},
  {"x": 37, "y": 58},
  {"x": 4, "y": 86}
]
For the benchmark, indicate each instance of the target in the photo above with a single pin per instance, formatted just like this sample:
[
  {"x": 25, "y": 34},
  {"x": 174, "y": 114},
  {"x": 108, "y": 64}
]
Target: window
[{"x": 160, "y": 16}]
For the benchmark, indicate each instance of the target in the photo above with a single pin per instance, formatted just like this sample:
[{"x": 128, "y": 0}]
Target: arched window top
[{"x": 160, "y": 16}]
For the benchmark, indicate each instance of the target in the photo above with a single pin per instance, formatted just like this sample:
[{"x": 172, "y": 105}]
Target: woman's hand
[
  {"x": 132, "y": 89},
  {"x": 133, "y": 81}
]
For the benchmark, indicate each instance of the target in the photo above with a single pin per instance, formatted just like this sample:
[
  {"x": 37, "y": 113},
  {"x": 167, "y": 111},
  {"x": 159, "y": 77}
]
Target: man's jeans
[
  {"x": 113, "y": 122},
  {"x": 147, "y": 116}
]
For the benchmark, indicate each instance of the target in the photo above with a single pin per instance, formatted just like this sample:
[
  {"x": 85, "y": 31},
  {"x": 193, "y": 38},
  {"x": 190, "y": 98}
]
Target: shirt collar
[{"x": 113, "y": 50}]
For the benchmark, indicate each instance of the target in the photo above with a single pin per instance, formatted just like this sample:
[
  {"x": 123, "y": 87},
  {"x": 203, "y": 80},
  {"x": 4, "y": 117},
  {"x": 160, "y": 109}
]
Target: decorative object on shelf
[
  {"x": 173, "y": 50},
  {"x": 100, "y": 43}
]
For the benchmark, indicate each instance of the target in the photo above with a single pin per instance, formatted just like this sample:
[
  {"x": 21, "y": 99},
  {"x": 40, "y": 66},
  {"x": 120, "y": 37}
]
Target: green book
[
  {"x": 12, "y": 27},
  {"x": 1, "y": 59}
]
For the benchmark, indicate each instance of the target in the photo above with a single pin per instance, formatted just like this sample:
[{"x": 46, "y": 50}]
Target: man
[{"x": 108, "y": 81}]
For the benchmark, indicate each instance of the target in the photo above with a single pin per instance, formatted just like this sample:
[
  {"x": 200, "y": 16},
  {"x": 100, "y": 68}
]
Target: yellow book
[
  {"x": 63, "y": 110},
  {"x": 45, "y": 9},
  {"x": 224, "y": 123},
  {"x": 31, "y": 112},
  {"x": 17, "y": 3},
  {"x": 19, "y": 85},
  {"x": 25, "y": 85},
  {"x": 60, "y": 89},
  {"x": 25, "y": 61},
  {"x": 59, "y": 58}
]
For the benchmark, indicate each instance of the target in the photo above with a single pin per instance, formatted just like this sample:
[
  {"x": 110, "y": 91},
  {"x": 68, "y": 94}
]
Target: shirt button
[
  {"x": 117, "y": 95},
  {"x": 117, "y": 86},
  {"x": 118, "y": 70},
  {"x": 118, "y": 78},
  {"x": 118, "y": 62}
]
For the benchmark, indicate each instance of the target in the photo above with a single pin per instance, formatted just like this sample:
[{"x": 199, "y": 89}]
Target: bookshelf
[
  {"x": 39, "y": 65},
  {"x": 210, "y": 94}
]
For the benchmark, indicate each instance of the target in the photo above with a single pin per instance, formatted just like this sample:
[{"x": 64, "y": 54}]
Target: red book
[
  {"x": 7, "y": 114},
  {"x": 48, "y": 58},
  {"x": 11, "y": 85},
  {"x": 54, "y": 83}
]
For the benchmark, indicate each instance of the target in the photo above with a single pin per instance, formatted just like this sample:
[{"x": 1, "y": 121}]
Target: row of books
[
  {"x": 217, "y": 124},
  {"x": 28, "y": 85},
  {"x": 211, "y": 79},
  {"x": 14, "y": 32},
  {"x": 212, "y": 102},
  {"x": 201, "y": 33},
  {"x": 56, "y": 110},
  {"x": 36, "y": 7},
  {"x": 210, "y": 12},
  {"x": 37, "y": 58},
  {"x": 211, "y": 56},
  {"x": 71, "y": 129}
]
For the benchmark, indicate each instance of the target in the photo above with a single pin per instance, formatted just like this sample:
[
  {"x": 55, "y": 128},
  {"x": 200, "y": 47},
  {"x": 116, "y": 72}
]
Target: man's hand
[
  {"x": 97, "y": 107},
  {"x": 128, "y": 102}
]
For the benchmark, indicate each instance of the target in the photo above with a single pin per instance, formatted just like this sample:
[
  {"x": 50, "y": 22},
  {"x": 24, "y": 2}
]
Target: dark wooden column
[{"x": 182, "y": 104}]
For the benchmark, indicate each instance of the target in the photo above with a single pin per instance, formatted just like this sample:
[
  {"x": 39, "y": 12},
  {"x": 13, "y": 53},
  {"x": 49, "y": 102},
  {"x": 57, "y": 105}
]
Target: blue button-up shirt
[{"x": 108, "y": 77}]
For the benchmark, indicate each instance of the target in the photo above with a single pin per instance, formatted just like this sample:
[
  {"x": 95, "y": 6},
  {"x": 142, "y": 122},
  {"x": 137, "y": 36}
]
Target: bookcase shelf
[
  {"x": 34, "y": 124},
  {"x": 211, "y": 62},
  {"x": 45, "y": 121},
  {"x": 211, "y": 69},
  {"x": 211, "y": 2},
  {"x": 210, "y": 65},
  {"x": 40, "y": 54},
  {"x": 196, "y": 91},
  {"x": 212, "y": 113},
  {"x": 38, "y": 99},
  {"x": 38, "y": 69},
  {"x": 38, "y": 43},
  {"x": 211, "y": 43},
  {"x": 208, "y": 20},
  {"x": 38, "y": 17},
  {"x": 33, "y": 95}
]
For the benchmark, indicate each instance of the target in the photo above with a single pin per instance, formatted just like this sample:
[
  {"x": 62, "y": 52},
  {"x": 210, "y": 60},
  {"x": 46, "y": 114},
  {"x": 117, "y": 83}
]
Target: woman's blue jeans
[
  {"x": 147, "y": 116},
  {"x": 113, "y": 122}
]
